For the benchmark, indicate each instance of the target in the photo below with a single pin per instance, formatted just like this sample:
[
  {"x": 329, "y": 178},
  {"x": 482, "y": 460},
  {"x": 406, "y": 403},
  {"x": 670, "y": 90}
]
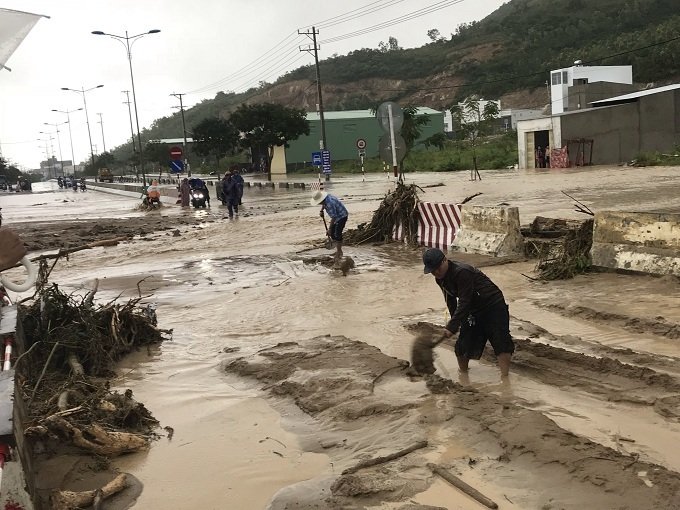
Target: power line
[
  {"x": 395, "y": 21},
  {"x": 354, "y": 14}
]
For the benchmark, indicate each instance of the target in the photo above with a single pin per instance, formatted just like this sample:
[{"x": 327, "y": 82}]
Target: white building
[
  {"x": 467, "y": 116},
  {"x": 562, "y": 79}
]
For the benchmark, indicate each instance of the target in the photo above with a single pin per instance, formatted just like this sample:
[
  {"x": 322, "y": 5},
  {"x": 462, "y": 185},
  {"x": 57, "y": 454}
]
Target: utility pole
[
  {"x": 101, "y": 123},
  {"x": 315, "y": 49},
  {"x": 132, "y": 131},
  {"x": 184, "y": 132}
]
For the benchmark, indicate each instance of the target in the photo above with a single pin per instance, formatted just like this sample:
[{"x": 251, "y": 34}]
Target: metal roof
[
  {"x": 629, "y": 98},
  {"x": 360, "y": 114}
]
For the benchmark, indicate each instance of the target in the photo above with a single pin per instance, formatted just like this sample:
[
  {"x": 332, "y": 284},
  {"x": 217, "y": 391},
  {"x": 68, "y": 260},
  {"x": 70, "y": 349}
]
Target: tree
[
  {"x": 215, "y": 137},
  {"x": 264, "y": 126},
  {"x": 103, "y": 160},
  {"x": 412, "y": 128},
  {"x": 391, "y": 45},
  {"x": 434, "y": 35},
  {"x": 474, "y": 121},
  {"x": 157, "y": 153}
]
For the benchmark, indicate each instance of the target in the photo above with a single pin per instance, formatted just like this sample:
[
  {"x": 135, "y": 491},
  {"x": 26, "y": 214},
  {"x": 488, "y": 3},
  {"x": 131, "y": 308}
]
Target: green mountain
[{"x": 507, "y": 55}]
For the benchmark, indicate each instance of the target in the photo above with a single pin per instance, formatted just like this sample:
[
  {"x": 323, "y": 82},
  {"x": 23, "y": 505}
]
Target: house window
[
  {"x": 565, "y": 77},
  {"x": 556, "y": 79}
]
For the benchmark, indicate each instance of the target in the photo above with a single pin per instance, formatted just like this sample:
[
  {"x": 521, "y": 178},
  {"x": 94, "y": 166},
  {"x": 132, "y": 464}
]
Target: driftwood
[
  {"x": 69, "y": 500},
  {"x": 68, "y": 251},
  {"x": 387, "y": 458},
  {"x": 460, "y": 484},
  {"x": 76, "y": 367},
  {"x": 97, "y": 440}
]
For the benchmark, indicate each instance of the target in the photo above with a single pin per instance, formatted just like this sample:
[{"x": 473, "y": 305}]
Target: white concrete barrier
[
  {"x": 489, "y": 230},
  {"x": 643, "y": 242}
]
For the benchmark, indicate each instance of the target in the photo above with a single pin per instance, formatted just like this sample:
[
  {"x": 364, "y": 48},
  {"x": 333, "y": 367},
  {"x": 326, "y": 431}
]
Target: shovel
[
  {"x": 422, "y": 353},
  {"x": 328, "y": 244}
]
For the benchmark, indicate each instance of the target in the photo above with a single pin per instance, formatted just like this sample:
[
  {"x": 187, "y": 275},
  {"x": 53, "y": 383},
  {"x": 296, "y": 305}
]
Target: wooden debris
[
  {"x": 460, "y": 484},
  {"x": 70, "y": 500},
  {"x": 387, "y": 458}
]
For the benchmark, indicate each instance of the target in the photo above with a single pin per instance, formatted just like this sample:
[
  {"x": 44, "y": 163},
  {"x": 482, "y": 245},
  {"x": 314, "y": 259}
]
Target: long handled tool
[
  {"x": 422, "y": 353},
  {"x": 329, "y": 242}
]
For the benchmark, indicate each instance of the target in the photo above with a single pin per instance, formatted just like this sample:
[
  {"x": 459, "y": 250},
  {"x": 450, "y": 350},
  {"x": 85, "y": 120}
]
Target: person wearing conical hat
[{"x": 338, "y": 214}]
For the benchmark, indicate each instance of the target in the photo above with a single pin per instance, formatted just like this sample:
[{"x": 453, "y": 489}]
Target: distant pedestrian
[
  {"x": 547, "y": 156},
  {"x": 338, "y": 214},
  {"x": 185, "y": 192},
  {"x": 230, "y": 194},
  {"x": 238, "y": 183}
]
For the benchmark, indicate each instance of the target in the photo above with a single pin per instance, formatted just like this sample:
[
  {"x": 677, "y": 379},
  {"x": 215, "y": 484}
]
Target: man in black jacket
[{"x": 477, "y": 309}]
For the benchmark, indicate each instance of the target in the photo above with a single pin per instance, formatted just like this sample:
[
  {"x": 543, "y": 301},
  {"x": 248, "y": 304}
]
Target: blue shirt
[{"x": 334, "y": 208}]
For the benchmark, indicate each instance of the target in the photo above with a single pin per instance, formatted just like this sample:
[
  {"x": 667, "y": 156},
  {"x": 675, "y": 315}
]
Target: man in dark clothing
[
  {"x": 477, "y": 309},
  {"x": 238, "y": 183}
]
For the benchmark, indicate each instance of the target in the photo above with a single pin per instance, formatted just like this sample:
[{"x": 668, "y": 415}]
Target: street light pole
[
  {"x": 82, "y": 91},
  {"x": 70, "y": 136},
  {"x": 101, "y": 123},
  {"x": 61, "y": 157},
  {"x": 128, "y": 47},
  {"x": 132, "y": 130}
]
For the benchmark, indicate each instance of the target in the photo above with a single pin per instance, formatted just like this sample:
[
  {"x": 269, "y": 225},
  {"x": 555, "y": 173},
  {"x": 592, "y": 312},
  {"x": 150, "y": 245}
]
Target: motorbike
[
  {"x": 83, "y": 185},
  {"x": 75, "y": 185},
  {"x": 60, "y": 182},
  {"x": 197, "y": 198}
]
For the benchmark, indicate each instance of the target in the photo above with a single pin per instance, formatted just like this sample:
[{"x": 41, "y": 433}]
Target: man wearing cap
[
  {"x": 338, "y": 214},
  {"x": 477, "y": 309}
]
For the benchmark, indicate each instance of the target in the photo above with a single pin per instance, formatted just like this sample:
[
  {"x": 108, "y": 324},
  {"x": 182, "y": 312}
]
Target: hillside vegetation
[{"x": 511, "y": 50}]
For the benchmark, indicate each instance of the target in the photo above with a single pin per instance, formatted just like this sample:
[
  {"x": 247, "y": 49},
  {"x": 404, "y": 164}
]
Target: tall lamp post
[
  {"x": 127, "y": 41},
  {"x": 68, "y": 121},
  {"x": 61, "y": 157},
  {"x": 82, "y": 91}
]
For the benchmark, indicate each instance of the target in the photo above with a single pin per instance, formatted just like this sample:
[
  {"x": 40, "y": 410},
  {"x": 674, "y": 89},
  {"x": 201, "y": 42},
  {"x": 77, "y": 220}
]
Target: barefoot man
[
  {"x": 477, "y": 309},
  {"x": 338, "y": 213}
]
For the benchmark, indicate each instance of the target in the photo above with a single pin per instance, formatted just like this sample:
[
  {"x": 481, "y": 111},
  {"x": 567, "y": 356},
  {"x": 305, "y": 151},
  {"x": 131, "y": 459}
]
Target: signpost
[
  {"x": 326, "y": 162},
  {"x": 391, "y": 118},
  {"x": 316, "y": 158},
  {"x": 176, "y": 166},
  {"x": 361, "y": 147}
]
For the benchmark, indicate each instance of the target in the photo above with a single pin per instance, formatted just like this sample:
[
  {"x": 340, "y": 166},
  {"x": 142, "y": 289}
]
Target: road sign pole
[
  {"x": 394, "y": 149},
  {"x": 363, "y": 174}
]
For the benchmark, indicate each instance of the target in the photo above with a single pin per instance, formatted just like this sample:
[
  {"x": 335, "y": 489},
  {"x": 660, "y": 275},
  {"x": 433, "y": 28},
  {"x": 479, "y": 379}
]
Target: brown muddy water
[{"x": 282, "y": 373}]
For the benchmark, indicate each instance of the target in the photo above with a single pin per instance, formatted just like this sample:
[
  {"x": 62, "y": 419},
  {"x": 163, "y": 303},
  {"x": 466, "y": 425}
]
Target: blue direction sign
[
  {"x": 316, "y": 158},
  {"x": 326, "y": 161},
  {"x": 176, "y": 166}
]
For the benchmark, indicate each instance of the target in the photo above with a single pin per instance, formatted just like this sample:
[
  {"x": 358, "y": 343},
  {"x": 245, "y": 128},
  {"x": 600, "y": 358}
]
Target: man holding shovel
[
  {"x": 477, "y": 309},
  {"x": 338, "y": 214}
]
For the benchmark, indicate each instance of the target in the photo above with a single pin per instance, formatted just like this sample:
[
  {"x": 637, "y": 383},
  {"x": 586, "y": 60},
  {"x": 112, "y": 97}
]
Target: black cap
[{"x": 432, "y": 258}]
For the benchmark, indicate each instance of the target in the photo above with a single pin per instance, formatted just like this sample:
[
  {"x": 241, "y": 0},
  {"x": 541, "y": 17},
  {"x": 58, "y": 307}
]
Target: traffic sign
[
  {"x": 326, "y": 161},
  {"x": 385, "y": 149},
  {"x": 176, "y": 153},
  {"x": 316, "y": 158},
  {"x": 176, "y": 166},
  {"x": 361, "y": 144},
  {"x": 385, "y": 111}
]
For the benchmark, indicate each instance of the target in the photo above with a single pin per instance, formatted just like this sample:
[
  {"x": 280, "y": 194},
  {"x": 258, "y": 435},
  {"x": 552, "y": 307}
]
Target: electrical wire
[{"x": 352, "y": 15}]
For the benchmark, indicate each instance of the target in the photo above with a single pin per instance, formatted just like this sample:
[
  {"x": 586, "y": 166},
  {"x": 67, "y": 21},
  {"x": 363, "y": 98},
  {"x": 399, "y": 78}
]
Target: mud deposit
[{"x": 344, "y": 385}]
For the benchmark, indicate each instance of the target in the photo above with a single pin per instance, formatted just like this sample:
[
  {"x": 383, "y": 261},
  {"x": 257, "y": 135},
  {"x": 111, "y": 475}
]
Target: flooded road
[{"x": 268, "y": 410}]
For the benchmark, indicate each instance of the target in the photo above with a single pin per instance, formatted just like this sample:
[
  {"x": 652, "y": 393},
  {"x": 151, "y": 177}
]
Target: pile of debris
[
  {"x": 71, "y": 345},
  {"x": 396, "y": 217},
  {"x": 562, "y": 246}
]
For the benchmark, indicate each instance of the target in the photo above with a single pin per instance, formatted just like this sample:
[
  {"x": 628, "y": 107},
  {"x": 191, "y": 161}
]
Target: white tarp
[{"x": 14, "y": 27}]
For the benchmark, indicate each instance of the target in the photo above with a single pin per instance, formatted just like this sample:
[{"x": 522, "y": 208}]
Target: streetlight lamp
[
  {"x": 82, "y": 91},
  {"x": 125, "y": 40},
  {"x": 61, "y": 157},
  {"x": 68, "y": 121}
]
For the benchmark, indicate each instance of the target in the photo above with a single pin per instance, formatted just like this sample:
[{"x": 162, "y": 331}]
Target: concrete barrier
[
  {"x": 643, "y": 242},
  {"x": 489, "y": 230}
]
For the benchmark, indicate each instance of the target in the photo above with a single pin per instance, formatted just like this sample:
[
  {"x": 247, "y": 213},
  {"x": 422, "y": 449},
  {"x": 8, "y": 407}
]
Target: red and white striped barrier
[{"x": 438, "y": 225}]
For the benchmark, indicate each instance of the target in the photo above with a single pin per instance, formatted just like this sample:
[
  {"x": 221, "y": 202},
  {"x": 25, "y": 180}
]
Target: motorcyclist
[
  {"x": 60, "y": 182},
  {"x": 199, "y": 184},
  {"x": 153, "y": 193}
]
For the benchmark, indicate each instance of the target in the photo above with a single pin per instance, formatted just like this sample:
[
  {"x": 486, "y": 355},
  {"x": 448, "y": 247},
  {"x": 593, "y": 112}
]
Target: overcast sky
[{"x": 204, "y": 46}]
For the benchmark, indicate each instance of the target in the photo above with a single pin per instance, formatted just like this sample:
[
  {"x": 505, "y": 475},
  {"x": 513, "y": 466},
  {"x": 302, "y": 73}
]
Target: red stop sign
[{"x": 176, "y": 153}]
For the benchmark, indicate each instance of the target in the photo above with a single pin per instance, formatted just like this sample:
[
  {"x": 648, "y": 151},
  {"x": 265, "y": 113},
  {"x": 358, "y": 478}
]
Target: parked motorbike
[{"x": 197, "y": 198}]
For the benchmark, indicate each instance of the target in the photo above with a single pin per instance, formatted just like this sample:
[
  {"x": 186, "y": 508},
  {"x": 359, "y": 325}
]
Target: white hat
[{"x": 318, "y": 197}]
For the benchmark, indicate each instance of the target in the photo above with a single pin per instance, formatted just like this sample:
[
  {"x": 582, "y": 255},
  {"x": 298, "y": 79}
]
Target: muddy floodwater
[{"x": 283, "y": 375}]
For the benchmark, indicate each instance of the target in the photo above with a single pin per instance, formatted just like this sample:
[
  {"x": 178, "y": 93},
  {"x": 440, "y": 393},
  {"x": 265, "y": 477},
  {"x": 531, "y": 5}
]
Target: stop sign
[{"x": 176, "y": 153}]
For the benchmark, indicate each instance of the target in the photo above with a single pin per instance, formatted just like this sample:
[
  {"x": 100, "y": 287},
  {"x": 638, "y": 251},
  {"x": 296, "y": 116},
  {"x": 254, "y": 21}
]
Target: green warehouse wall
[{"x": 343, "y": 129}]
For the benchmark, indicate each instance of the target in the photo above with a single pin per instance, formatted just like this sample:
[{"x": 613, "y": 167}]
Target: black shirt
[{"x": 467, "y": 291}]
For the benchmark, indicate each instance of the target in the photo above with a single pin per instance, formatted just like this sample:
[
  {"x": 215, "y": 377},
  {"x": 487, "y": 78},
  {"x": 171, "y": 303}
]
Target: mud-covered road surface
[{"x": 286, "y": 379}]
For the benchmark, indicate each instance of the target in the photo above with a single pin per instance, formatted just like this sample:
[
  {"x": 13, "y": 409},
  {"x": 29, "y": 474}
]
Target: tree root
[
  {"x": 69, "y": 500},
  {"x": 386, "y": 458}
]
